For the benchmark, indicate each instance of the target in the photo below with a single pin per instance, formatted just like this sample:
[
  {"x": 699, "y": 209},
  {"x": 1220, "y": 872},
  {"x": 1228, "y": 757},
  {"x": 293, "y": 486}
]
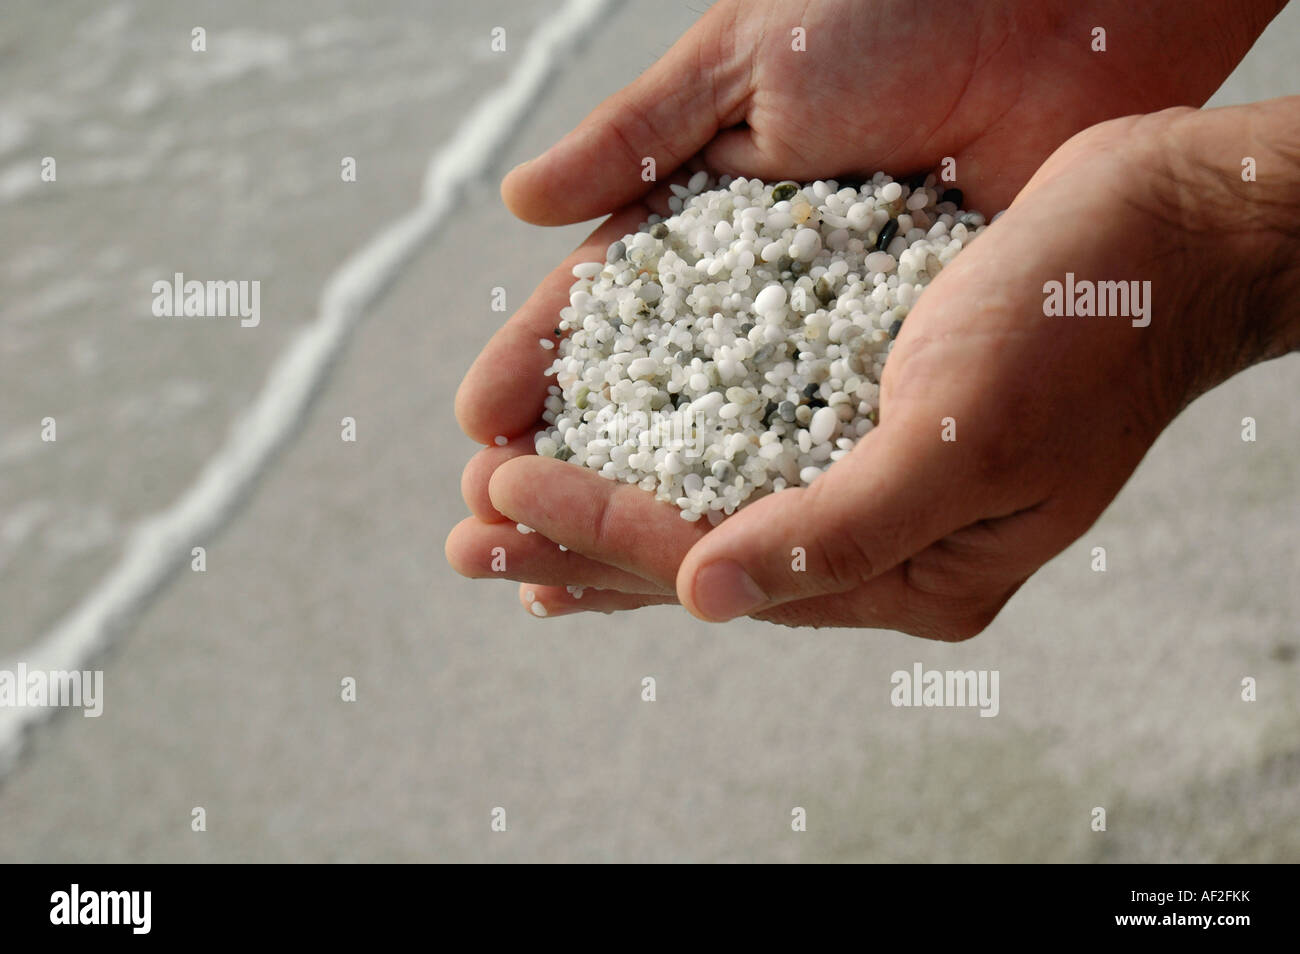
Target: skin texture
[{"x": 912, "y": 532}]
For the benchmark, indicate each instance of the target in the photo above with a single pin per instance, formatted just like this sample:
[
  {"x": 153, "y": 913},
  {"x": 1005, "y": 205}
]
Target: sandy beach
[{"x": 1119, "y": 689}]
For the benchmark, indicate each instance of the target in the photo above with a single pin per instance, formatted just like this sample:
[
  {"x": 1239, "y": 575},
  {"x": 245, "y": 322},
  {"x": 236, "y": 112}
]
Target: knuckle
[
  {"x": 839, "y": 549},
  {"x": 844, "y": 560},
  {"x": 604, "y": 529}
]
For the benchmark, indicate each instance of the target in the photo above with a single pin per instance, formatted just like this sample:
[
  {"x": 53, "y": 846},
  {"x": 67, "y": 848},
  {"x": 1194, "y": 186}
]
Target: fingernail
[{"x": 723, "y": 590}]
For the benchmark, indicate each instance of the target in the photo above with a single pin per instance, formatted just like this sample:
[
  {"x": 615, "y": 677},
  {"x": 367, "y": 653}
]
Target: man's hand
[{"x": 910, "y": 531}]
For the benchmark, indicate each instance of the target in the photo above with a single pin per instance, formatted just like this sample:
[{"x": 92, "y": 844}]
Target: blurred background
[{"x": 222, "y": 691}]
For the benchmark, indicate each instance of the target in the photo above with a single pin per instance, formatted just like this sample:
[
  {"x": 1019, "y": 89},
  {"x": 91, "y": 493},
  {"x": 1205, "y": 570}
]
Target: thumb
[
  {"x": 891, "y": 497},
  {"x": 667, "y": 114}
]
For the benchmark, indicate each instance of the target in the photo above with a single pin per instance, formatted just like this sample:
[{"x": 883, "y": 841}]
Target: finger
[
  {"x": 949, "y": 591},
  {"x": 563, "y": 601},
  {"x": 474, "y": 478},
  {"x": 667, "y": 114},
  {"x": 738, "y": 152},
  {"x": 504, "y": 390},
  {"x": 498, "y": 550},
  {"x": 895, "y": 494},
  {"x": 608, "y": 521}
]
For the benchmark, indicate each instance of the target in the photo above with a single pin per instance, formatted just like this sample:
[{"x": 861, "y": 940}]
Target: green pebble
[{"x": 784, "y": 191}]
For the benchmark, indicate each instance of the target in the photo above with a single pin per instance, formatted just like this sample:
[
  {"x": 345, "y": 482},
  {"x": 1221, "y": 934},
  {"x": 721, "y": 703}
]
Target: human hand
[
  {"x": 506, "y": 387},
  {"x": 1051, "y": 415},
  {"x": 886, "y": 84}
]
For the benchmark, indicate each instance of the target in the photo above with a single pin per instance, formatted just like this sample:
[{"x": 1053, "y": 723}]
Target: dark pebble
[
  {"x": 723, "y": 470},
  {"x": 896, "y": 327},
  {"x": 563, "y": 453},
  {"x": 615, "y": 253},
  {"x": 768, "y": 411},
  {"x": 784, "y": 191},
  {"x": 823, "y": 290},
  {"x": 810, "y": 389},
  {"x": 785, "y": 410},
  {"x": 659, "y": 231},
  {"x": 952, "y": 195},
  {"x": 558, "y": 332},
  {"x": 887, "y": 235},
  {"x": 747, "y": 327}
]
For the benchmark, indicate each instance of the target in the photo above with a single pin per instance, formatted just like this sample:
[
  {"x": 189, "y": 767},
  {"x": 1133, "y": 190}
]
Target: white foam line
[{"x": 161, "y": 543}]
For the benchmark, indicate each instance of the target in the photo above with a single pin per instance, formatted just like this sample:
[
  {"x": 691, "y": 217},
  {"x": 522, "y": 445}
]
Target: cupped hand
[
  {"x": 1003, "y": 434},
  {"x": 997, "y": 109}
]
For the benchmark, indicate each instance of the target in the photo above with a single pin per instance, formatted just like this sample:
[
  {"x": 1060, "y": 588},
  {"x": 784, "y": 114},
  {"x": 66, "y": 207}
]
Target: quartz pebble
[
  {"x": 823, "y": 424},
  {"x": 735, "y": 348}
]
